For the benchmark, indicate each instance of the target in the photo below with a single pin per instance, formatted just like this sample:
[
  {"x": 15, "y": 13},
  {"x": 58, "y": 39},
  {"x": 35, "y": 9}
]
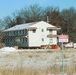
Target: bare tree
[
  {"x": 7, "y": 22},
  {"x": 1, "y": 25},
  {"x": 69, "y": 16},
  {"x": 32, "y": 13}
]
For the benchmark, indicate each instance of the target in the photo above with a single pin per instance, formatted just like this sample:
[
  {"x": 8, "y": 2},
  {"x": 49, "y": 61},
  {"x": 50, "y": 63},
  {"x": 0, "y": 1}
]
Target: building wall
[
  {"x": 40, "y": 36},
  {"x": 15, "y": 38},
  {"x": 34, "y": 39},
  {"x": 54, "y": 38}
]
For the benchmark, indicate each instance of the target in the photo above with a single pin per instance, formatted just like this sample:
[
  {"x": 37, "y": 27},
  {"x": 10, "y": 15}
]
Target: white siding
[
  {"x": 54, "y": 32},
  {"x": 54, "y": 38},
  {"x": 35, "y": 39}
]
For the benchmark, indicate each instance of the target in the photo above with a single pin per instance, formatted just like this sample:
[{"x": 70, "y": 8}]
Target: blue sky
[{"x": 7, "y": 7}]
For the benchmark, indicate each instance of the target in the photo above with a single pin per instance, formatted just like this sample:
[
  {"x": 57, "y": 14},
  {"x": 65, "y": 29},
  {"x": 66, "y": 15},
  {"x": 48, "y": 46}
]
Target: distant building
[{"x": 35, "y": 34}]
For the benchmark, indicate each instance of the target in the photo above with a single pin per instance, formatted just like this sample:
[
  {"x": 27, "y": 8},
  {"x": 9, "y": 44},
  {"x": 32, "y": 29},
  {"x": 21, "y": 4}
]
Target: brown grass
[
  {"x": 39, "y": 56},
  {"x": 31, "y": 71},
  {"x": 21, "y": 71}
]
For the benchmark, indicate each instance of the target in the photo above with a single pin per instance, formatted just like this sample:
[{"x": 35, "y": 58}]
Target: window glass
[
  {"x": 42, "y": 39},
  {"x": 50, "y": 31},
  {"x": 34, "y": 31},
  {"x": 42, "y": 30}
]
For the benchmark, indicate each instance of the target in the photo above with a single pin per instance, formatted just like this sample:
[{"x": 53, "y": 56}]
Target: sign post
[
  {"x": 62, "y": 60},
  {"x": 62, "y": 39}
]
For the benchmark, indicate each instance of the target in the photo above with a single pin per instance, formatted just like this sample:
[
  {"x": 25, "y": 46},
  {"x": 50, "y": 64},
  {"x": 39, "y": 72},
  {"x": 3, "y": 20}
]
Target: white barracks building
[{"x": 35, "y": 34}]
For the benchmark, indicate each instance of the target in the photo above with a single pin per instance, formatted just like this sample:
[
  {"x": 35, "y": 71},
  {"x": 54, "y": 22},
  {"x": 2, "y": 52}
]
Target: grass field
[{"x": 37, "y": 62}]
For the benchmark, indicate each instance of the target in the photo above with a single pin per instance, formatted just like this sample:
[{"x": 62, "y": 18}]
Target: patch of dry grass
[
  {"x": 23, "y": 71},
  {"x": 49, "y": 56},
  {"x": 31, "y": 71}
]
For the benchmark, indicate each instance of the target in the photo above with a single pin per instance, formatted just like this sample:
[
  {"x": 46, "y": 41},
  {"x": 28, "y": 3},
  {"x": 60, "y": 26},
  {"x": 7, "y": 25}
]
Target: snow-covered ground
[
  {"x": 8, "y": 49},
  {"x": 12, "y": 58}
]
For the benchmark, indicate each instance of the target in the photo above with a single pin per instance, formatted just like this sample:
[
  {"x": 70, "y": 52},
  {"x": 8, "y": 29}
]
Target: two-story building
[{"x": 35, "y": 34}]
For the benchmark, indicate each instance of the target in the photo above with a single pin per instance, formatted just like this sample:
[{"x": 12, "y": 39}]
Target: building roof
[{"x": 28, "y": 26}]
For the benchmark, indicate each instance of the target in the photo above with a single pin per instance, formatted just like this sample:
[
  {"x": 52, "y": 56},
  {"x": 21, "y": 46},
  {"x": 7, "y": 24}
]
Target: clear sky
[{"x": 7, "y": 7}]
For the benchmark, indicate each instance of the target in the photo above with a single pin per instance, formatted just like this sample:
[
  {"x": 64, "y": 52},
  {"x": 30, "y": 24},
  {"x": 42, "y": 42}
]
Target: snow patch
[{"x": 8, "y": 49}]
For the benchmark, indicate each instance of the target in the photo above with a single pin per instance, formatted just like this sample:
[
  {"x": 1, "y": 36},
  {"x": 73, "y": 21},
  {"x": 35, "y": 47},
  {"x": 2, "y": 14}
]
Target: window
[
  {"x": 42, "y": 39},
  {"x": 34, "y": 31},
  {"x": 24, "y": 40},
  {"x": 23, "y": 32},
  {"x": 11, "y": 33},
  {"x": 20, "y": 31},
  {"x": 17, "y": 40},
  {"x": 14, "y": 32},
  {"x": 42, "y": 30},
  {"x": 7, "y": 33},
  {"x": 50, "y": 31}
]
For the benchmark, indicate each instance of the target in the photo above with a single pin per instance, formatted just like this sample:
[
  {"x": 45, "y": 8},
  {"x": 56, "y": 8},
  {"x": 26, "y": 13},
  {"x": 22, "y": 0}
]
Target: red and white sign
[{"x": 63, "y": 38}]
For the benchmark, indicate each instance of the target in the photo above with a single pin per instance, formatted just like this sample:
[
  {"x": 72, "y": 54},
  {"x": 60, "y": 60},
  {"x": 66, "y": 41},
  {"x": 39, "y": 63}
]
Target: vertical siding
[
  {"x": 35, "y": 39},
  {"x": 12, "y": 37}
]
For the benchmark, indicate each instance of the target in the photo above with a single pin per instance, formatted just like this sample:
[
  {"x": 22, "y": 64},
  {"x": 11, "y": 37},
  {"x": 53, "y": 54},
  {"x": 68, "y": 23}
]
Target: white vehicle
[
  {"x": 74, "y": 45},
  {"x": 69, "y": 45}
]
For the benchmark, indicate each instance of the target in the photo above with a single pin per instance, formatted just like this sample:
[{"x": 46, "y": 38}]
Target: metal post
[{"x": 62, "y": 60}]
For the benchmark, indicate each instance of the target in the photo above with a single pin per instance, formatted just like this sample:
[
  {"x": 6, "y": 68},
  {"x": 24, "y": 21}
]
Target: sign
[{"x": 63, "y": 38}]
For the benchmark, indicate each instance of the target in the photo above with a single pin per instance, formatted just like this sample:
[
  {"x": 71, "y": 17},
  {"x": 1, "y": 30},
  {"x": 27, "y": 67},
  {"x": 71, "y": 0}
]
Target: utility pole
[
  {"x": 47, "y": 19},
  {"x": 62, "y": 59}
]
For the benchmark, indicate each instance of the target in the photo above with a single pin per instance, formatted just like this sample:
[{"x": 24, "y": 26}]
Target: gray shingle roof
[
  {"x": 27, "y": 26},
  {"x": 20, "y": 27}
]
